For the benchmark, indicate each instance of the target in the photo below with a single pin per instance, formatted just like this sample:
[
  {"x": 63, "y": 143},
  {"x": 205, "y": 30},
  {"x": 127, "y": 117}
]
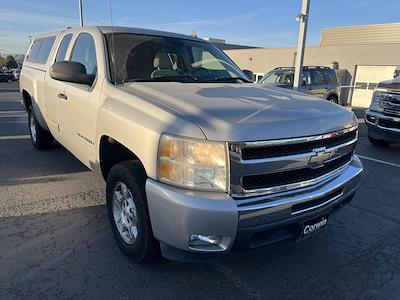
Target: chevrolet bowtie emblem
[{"x": 319, "y": 158}]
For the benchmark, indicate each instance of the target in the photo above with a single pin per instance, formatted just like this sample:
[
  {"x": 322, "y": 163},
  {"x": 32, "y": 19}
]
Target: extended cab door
[
  {"x": 52, "y": 112},
  {"x": 78, "y": 108}
]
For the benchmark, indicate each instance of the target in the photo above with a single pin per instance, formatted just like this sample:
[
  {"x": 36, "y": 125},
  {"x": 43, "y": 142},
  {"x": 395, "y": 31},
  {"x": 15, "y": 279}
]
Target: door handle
[{"x": 62, "y": 96}]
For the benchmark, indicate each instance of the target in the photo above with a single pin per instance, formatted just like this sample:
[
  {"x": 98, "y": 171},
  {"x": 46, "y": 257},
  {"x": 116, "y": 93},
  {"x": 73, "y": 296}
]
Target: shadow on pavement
[
  {"x": 19, "y": 160},
  {"x": 71, "y": 254}
]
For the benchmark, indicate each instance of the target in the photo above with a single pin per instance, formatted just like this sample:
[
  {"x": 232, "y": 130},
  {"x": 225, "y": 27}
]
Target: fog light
[
  {"x": 199, "y": 239},
  {"x": 208, "y": 243}
]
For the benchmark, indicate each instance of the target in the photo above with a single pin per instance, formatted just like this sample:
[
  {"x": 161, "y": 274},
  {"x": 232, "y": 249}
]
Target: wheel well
[
  {"x": 26, "y": 98},
  {"x": 111, "y": 153},
  {"x": 332, "y": 96}
]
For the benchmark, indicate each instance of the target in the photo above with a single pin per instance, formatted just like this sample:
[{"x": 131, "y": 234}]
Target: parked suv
[
  {"x": 383, "y": 115},
  {"x": 198, "y": 161},
  {"x": 320, "y": 82}
]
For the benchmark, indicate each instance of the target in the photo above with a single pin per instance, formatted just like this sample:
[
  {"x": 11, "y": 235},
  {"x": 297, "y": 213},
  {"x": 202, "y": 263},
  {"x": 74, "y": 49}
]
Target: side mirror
[
  {"x": 249, "y": 74},
  {"x": 71, "y": 71}
]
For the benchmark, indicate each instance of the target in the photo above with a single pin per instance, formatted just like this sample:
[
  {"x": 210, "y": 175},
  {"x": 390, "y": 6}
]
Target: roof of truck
[{"x": 119, "y": 29}]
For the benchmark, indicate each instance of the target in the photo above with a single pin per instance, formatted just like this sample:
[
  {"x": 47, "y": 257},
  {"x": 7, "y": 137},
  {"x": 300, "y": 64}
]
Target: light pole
[
  {"x": 303, "y": 19},
  {"x": 80, "y": 13}
]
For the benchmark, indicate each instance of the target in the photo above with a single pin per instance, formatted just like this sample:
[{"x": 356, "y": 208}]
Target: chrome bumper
[
  {"x": 177, "y": 213},
  {"x": 378, "y": 116},
  {"x": 280, "y": 206}
]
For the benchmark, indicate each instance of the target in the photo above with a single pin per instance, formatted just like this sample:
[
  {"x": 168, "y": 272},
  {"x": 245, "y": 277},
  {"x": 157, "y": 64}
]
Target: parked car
[
  {"x": 198, "y": 161},
  {"x": 383, "y": 115},
  {"x": 4, "y": 77},
  {"x": 317, "y": 81}
]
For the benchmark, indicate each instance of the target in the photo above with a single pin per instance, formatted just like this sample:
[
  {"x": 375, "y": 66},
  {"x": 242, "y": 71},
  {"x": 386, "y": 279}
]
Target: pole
[
  {"x": 303, "y": 19},
  {"x": 80, "y": 13},
  {"x": 30, "y": 39}
]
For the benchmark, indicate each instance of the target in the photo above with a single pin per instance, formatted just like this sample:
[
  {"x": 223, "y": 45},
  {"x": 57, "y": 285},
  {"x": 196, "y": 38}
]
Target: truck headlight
[{"x": 193, "y": 163}]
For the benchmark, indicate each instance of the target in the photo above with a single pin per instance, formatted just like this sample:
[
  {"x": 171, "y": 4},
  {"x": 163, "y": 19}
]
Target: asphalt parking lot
[{"x": 55, "y": 240}]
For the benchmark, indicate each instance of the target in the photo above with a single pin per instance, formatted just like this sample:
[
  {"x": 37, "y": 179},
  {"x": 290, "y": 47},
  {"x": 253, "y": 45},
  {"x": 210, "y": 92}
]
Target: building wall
[
  {"x": 366, "y": 34},
  {"x": 262, "y": 60}
]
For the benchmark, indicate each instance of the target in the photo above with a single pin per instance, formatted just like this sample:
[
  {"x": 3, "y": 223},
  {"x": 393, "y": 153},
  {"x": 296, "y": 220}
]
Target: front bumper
[
  {"x": 177, "y": 213},
  {"x": 377, "y": 131}
]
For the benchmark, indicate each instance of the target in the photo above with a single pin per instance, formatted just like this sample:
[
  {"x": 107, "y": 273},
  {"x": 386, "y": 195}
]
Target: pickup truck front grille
[
  {"x": 267, "y": 167},
  {"x": 289, "y": 177},
  {"x": 293, "y": 149},
  {"x": 391, "y": 104}
]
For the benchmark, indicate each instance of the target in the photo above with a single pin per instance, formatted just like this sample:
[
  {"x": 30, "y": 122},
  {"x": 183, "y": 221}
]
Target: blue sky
[{"x": 265, "y": 23}]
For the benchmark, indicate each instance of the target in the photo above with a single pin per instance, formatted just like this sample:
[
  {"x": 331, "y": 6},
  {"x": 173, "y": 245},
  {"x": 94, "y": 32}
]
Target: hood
[
  {"x": 390, "y": 84},
  {"x": 284, "y": 85},
  {"x": 245, "y": 112}
]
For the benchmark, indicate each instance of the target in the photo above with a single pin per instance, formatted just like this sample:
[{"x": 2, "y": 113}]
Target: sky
[{"x": 263, "y": 23}]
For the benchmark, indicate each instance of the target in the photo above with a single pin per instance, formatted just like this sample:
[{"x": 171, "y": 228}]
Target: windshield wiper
[
  {"x": 231, "y": 79},
  {"x": 176, "y": 78}
]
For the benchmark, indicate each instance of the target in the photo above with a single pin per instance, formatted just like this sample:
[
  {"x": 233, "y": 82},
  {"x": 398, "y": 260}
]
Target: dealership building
[{"x": 362, "y": 56}]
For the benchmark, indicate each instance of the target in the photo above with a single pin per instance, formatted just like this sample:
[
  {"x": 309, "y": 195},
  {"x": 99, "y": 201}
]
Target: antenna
[{"x": 112, "y": 44}]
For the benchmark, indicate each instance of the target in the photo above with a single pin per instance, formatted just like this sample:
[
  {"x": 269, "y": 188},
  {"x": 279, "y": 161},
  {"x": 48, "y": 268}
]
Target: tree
[
  {"x": 10, "y": 62},
  {"x": 1, "y": 61}
]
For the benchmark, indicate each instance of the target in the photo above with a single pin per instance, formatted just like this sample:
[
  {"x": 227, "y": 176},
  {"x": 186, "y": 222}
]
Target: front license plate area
[{"x": 313, "y": 226}]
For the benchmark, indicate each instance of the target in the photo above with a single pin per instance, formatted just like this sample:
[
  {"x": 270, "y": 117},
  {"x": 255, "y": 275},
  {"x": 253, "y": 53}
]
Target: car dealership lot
[{"x": 55, "y": 240}]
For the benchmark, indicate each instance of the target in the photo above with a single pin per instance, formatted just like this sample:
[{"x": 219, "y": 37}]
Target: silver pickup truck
[{"x": 198, "y": 162}]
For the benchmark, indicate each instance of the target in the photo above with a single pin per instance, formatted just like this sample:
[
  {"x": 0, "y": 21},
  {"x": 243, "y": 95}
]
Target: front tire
[
  {"x": 128, "y": 212},
  {"x": 40, "y": 137}
]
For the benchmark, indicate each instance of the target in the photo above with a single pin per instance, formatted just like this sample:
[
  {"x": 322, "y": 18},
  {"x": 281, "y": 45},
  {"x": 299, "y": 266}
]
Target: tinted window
[
  {"x": 285, "y": 77},
  {"x": 318, "y": 77},
  {"x": 330, "y": 76},
  {"x": 41, "y": 49},
  {"x": 84, "y": 52},
  {"x": 62, "y": 50},
  {"x": 306, "y": 77},
  {"x": 279, "y": 77},
  {"x": 45, "y": 48},
  {"x": 34, "y": 50}
]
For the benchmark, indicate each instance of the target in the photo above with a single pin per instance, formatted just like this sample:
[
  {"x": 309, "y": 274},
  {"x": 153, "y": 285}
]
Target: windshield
[
  {"x": 285, "y": 77},
  {"x": 135, "y": 57},
  {"x": 280, "y": 77}
]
